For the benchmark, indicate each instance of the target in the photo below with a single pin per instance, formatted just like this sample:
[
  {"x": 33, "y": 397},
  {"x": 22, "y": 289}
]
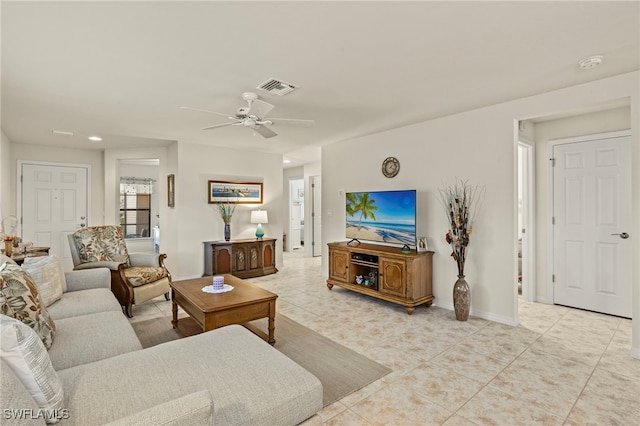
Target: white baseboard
[
  {"x": 495, "y": 318},
  {"x": 544, "y": 300},
  {"x": 480, "y": 314}
]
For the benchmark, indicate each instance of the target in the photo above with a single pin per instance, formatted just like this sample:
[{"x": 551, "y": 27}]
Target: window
[{"x": 135, "y": 207}]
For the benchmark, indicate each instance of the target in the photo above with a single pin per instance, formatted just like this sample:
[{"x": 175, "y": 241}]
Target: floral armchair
[{"x": 135, "y": 277}]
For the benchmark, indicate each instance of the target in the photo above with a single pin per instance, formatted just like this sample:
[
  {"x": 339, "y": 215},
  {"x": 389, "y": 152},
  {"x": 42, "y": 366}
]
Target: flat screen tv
[{"x": 382, "y": 216}]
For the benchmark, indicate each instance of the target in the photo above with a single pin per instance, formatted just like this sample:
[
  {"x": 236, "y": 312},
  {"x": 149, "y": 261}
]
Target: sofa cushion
[
  {"x": 19, "y": 299},
  {"x": 22, "y": 350},
  {"x": 89, "y": 338},
  {"x": 101, "y": 243},
  {"x": 251, "y": 382},
  {"x": 193, "y": 409},
  {"x": 87, "y": 279},
  {"x": 140, "y": 275},
  {"x": 84, "y": 302},
  {"x": 47, "y": 274}
]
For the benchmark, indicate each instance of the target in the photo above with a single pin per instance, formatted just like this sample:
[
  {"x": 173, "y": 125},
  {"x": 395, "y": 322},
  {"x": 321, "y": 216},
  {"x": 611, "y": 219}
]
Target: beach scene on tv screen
[{"x": 384, "y": 216}]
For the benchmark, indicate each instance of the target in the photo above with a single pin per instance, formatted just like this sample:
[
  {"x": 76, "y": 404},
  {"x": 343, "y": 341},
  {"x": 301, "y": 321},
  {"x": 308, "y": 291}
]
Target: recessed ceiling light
[
  {"x": 61, "y": 132},
  {"x": 590, "y": 62},
  {"x": 95, "y": 138},
  {"x": 286, "y": 161}
]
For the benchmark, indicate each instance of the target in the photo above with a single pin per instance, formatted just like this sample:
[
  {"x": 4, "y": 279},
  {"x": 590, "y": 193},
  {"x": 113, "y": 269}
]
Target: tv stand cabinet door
[
  {"x": 339, "y": 265},
  {"x": 392, "y": 277}
]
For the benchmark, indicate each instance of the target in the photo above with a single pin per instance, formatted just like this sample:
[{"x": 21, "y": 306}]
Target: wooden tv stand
[{"x": 399, "y": 278}]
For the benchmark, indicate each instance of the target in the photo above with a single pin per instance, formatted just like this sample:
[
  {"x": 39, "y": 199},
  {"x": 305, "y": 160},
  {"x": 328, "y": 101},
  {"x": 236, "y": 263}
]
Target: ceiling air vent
[{"x": 277, "y": 87}]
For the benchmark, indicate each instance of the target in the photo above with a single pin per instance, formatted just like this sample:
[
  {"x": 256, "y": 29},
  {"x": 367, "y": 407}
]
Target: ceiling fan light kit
[{"x": 252, "y": 116}]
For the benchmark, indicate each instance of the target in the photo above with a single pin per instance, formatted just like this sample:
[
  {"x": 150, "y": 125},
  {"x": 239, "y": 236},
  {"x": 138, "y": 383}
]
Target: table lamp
[{"x": 259, "y": 217}]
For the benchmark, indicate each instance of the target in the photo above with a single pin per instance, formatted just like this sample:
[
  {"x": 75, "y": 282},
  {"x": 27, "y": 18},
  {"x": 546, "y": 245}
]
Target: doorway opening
[
  {"x": 139, "y": 203},
  {"x": 526, "y": 220},
  {"x": 296, "y": 214}
]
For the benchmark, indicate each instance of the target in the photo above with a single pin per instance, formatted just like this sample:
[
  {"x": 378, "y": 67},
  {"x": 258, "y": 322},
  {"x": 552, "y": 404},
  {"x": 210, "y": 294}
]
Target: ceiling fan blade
[
  {"x": 221, "y": 125},
  {"x": 207, "y": 111},
  {"x": 260, "y": 108},
  {"x": 265, "y": 132},
  {"x": 291, "y": 122}
]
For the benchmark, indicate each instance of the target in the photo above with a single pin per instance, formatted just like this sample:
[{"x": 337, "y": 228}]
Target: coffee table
[{"x": 246, "y": 302}]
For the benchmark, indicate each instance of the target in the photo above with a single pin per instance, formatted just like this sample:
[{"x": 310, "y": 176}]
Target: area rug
[{"x": 340, "y": 369}]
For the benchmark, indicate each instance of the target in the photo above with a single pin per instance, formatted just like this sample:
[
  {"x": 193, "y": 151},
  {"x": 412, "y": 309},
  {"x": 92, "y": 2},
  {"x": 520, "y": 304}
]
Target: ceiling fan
[{"x": 253, "y": 116}]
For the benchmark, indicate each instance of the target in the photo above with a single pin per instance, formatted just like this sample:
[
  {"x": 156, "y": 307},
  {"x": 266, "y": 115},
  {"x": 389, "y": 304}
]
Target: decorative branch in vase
[
  {"x": 226, "y": 210},
  {"x": 461, "y": 202}
]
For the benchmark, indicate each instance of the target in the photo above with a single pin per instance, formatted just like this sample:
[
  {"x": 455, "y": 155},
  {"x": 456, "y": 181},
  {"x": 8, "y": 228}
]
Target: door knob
[{"x": 623, "y": 235}]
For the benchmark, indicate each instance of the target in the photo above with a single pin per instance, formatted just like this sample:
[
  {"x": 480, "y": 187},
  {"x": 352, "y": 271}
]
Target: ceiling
[{"x": 121, "y": 70}]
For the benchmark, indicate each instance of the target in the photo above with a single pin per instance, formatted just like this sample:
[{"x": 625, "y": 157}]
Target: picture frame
[
  {"x": 422, "y": 244},
  {"x": 220, "y": 191},
  {"x": 171, "y": 190}
]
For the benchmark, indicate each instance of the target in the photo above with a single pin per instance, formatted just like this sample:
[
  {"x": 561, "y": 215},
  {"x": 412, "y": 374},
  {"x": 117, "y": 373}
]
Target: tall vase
[
  {"x": 461, "y": 299},
  {"x": 227, "y": 231}
]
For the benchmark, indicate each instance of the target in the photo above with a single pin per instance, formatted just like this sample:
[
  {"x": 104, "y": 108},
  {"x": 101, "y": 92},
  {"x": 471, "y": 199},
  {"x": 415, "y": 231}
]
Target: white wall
[
  {"x": 7, "y": 193},
  {"x": 170, "y": 216},
  {"x": 197, "y": 221},
  {"x": 479, "y": 145},
  {"x": 543, "y": 132},
  {"x": 431, "y": 153}
]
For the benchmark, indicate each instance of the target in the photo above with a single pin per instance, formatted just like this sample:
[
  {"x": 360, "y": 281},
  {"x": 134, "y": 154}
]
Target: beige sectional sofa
[{"x": 224, "y": 377}]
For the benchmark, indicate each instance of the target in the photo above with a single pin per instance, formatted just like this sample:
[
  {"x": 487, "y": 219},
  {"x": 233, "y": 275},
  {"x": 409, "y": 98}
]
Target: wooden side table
[{"x": 35, "y": 252}]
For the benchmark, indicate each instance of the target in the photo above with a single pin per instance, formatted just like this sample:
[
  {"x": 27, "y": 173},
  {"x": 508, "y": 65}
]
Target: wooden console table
[{"x": 242, "y": 258}]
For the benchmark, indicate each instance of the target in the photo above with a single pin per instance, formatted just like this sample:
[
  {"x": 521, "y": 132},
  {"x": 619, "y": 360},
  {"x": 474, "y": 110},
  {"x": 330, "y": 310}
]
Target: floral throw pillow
[
  {"x": 19, "y": 299},
  {"x": 101, "y": 243}
]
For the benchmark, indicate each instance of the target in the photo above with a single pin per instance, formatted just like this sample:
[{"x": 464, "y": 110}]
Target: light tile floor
[{"x": 559, "y": 366}]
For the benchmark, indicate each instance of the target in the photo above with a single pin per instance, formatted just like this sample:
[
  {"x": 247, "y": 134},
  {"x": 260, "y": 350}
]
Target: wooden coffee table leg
[
  {"x": 174, "y": 311},
  {"x": 272, "y": 329}
]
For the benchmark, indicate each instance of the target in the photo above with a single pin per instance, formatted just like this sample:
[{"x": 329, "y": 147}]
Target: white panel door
[
  {"x": 592, "y": 211},
  {"x": 54, "y": 204}
]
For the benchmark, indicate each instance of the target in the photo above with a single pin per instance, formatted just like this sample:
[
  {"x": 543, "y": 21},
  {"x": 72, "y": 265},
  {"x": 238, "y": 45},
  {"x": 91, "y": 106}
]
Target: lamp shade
[{"x": 259, "y": 216}]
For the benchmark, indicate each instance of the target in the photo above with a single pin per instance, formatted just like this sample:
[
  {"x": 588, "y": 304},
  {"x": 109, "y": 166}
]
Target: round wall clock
[{"x": 390, "y": 167}]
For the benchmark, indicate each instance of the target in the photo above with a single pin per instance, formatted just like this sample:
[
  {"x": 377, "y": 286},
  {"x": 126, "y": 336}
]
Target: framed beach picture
[
  {"x": 422, "y": 244},
  {"x": 234, "y": 192}
]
